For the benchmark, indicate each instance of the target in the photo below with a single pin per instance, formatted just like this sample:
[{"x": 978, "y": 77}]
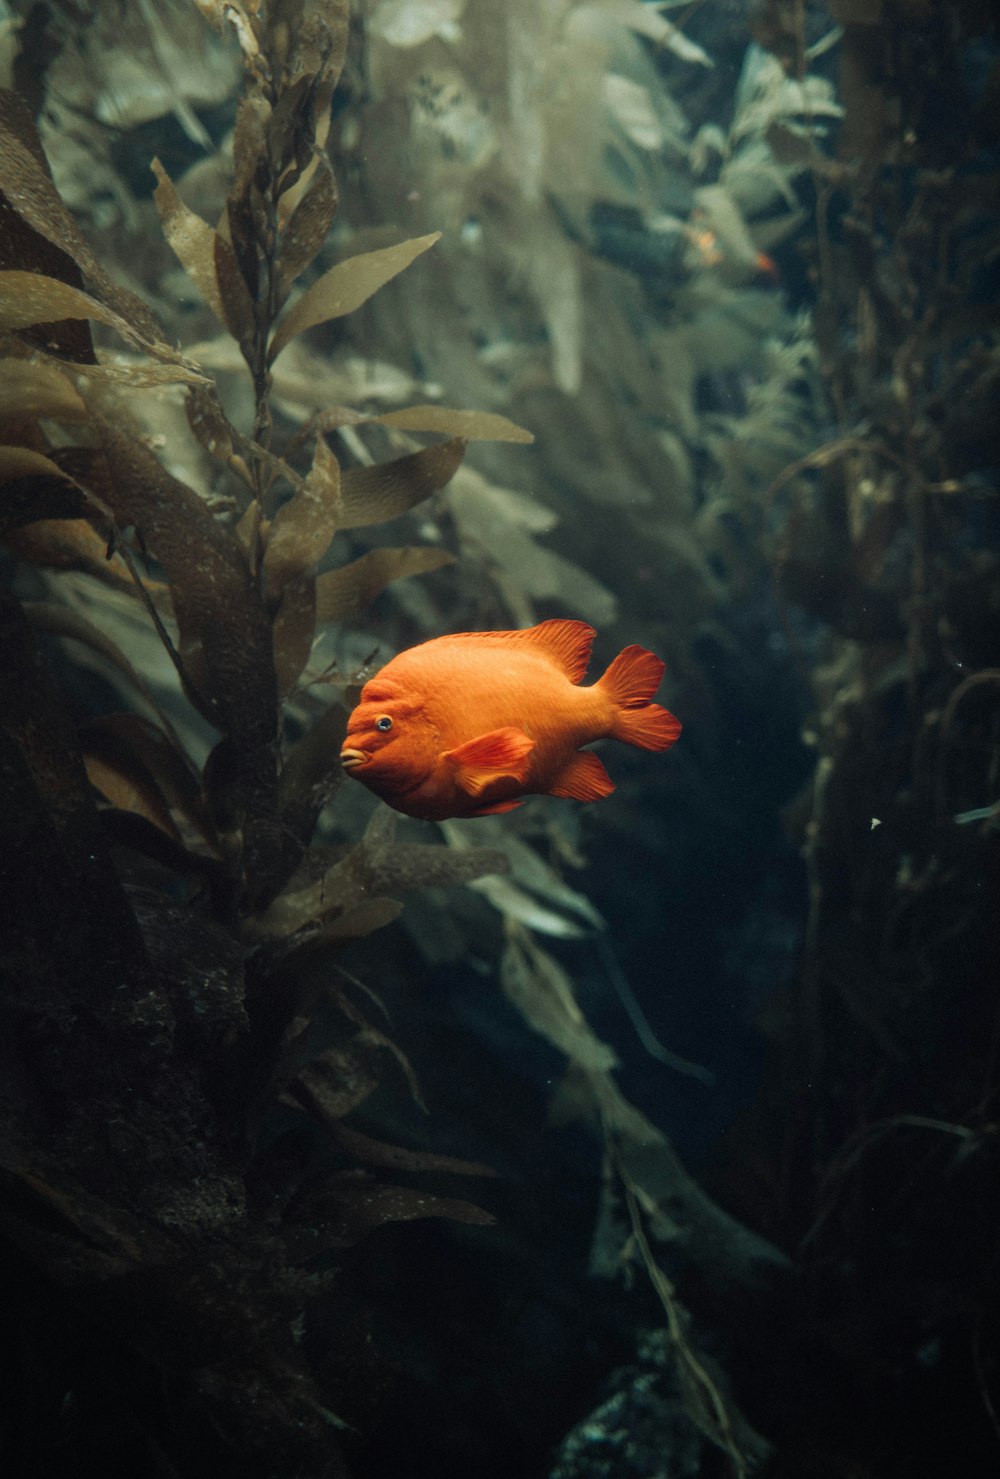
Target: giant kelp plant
[
  {"x": 172, "y": 926},
  {"x": 889, "y": 537},
  {"x": 165, "y": 920},
  {"x": 696, "y": 432}
]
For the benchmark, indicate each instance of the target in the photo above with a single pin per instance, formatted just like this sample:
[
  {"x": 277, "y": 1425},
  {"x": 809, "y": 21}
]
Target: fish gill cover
[{"x": 738, "y": 288}]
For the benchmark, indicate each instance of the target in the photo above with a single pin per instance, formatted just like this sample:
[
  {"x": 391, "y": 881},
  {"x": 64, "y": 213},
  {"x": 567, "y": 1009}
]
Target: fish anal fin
[
  {"x": 566, "y": 643},
  {"x": 583, "y": 779},
  {"x": 502, "y": 754}
]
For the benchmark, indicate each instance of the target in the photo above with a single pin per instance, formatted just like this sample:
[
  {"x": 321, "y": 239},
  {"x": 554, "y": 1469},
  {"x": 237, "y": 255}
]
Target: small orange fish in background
[{"x": 466, "y": 725}]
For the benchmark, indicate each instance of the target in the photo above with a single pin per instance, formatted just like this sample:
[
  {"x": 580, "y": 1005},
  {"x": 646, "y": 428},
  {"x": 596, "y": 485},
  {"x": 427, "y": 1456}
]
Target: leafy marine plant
[
  {"x": 170, "y": 924},
  {"x": 607, "y": 253},
  {"x": 885, "y": 532}
]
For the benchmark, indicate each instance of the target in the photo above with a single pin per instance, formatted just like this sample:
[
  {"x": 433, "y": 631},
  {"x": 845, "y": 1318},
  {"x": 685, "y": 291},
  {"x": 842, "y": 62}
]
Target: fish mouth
[{"x": 351, "y": 759}]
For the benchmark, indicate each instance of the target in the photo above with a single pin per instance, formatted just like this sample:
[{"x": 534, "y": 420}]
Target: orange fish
[{"x": 466, "y": 725}]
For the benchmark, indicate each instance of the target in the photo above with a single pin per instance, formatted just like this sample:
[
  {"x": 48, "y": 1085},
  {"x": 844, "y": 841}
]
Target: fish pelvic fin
[
  {"x": 630, "y": 683},
  {"x": 502, "y": 754},
  {"x": 583, "y": 779}
]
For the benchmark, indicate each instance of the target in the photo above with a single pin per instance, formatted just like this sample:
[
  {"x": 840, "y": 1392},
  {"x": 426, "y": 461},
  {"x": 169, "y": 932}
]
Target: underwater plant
[
  {"x": 172, "y": 1119},
  {"x": 709, "y": 449},
  {"x": 186, "y": 1049}
]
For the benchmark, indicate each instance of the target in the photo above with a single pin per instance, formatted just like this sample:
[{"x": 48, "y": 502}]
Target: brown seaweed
[{"x": 145, "y": 1050}]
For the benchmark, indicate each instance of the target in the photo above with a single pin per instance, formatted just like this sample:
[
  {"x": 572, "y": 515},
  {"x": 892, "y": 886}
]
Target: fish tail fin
[{"x": 630, "y": 683}]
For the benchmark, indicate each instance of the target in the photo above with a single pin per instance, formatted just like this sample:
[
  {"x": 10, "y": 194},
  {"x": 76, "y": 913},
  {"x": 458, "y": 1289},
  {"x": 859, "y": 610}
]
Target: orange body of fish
[{"x": 466, "y": 725}]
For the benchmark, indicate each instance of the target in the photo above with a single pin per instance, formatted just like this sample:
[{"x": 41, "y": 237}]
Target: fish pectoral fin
[
  {"x": 583, "y": 779},
  {"x": 500, "y": 754}
]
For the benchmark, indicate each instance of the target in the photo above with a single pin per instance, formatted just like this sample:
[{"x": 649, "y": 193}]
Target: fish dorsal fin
[
  {"x": 502, "y": 753},
  {"x": 566, "y": 643}
]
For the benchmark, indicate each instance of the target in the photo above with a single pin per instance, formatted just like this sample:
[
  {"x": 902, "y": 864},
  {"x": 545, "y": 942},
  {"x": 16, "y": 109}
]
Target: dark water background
[{"x": 781, "y": 475}]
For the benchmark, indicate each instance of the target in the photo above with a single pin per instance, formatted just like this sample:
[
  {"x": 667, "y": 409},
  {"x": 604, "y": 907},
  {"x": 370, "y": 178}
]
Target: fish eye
[{"x": 385, "y": 723}]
